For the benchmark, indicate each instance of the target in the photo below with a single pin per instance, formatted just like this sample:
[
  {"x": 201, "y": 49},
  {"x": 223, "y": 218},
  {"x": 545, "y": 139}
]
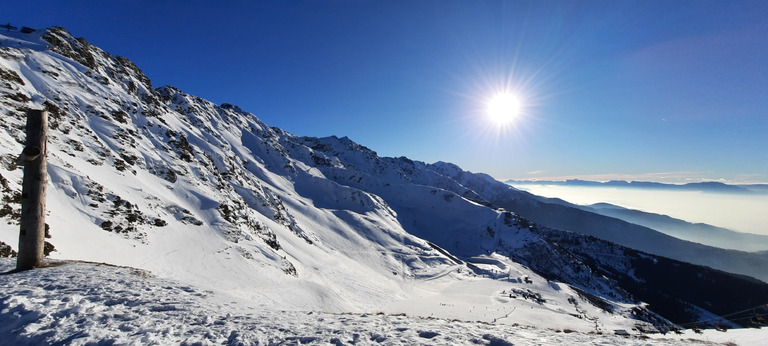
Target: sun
[{"x": 503, "y": 108}]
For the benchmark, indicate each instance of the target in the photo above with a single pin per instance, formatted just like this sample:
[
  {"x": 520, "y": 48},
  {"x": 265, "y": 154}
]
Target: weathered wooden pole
[{"x": 32, "y": 230}]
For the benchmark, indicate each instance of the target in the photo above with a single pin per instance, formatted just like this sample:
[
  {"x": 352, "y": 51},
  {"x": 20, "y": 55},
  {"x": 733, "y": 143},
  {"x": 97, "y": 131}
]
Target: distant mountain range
[
  {"x": 710, "y": 186},
  {"x": 694, "y": 232},
  {"x": 209, "y": 195}
]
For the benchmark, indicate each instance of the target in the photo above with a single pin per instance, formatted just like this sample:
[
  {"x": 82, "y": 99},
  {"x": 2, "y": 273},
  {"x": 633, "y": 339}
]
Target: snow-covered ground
[
  {"x": 87, "y": 303},
  {"x": 238, "y": 232}
]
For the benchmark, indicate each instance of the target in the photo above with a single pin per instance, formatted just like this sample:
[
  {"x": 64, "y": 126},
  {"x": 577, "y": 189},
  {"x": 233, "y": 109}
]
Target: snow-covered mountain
[
  {"x": 209, "y": 195},
  {"x": 633, "y": 233}
]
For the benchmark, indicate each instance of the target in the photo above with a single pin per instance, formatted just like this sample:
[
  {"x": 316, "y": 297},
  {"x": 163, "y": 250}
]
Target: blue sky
[{"x": 669, "y": 91}]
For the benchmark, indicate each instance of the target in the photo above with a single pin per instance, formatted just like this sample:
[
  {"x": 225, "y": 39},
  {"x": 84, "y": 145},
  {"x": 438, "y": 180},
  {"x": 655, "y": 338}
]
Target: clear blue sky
[{"x": 610, "y": 88}]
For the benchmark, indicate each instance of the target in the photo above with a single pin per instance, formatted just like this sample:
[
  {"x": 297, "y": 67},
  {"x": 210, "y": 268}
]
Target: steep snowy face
[
  {"x": 459, "y": 211},
  {"x": 169, "y": 182},
  {"x": 163, "y": 180},
  {"x": 430, "y": 204}
]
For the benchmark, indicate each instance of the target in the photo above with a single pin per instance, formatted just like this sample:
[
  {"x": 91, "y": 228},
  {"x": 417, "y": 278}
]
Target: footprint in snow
[{"x": 428, "y": 334}]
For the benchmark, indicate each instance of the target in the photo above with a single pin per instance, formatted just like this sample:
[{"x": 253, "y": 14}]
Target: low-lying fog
[{"x": 739, "y": 212}]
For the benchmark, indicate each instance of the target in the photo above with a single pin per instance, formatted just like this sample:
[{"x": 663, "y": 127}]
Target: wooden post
[{"x": 32, "y": 230}]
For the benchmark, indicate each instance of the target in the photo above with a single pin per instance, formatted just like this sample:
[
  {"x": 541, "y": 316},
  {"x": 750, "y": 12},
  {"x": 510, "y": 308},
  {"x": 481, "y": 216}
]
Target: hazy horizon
[
  {"x": 738, "y": 212},
  {"x": 671, "y": 178}
]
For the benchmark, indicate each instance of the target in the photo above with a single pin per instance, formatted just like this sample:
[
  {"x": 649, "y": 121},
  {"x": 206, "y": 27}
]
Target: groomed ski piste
[{"x": 82, "y": 303}]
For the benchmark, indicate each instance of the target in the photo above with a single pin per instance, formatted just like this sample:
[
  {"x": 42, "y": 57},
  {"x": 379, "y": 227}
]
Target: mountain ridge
[
  {"x": 169, "y": 182},
  {"x": 705, "y": 186},
  {"x": 697, "y": 232}
]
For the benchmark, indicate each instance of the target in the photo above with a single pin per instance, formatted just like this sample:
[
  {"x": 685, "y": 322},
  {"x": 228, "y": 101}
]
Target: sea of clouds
[{"x": 738, "y": 212}]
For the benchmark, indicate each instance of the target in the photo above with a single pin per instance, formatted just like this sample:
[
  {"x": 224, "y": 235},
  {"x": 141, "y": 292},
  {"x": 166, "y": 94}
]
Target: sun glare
[{"x": 503, "y": 108}]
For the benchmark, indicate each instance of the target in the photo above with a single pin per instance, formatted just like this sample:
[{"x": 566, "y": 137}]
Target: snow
[
  {"x": 79, "y": 303},
  {"x": 267, "y": 237}
]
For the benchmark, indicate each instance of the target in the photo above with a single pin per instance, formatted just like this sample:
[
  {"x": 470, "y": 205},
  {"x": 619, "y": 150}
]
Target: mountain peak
[
  {"x": 95, "y": 59},
  {"x": 77, "y": 49},
  {"x": 169, "y": 182}
]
